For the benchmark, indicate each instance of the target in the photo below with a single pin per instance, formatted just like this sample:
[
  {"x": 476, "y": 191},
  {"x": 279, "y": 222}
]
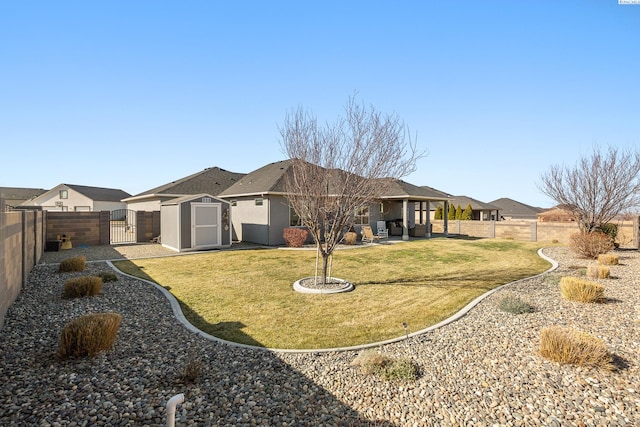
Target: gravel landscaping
[{"x": 481, "y": 370}]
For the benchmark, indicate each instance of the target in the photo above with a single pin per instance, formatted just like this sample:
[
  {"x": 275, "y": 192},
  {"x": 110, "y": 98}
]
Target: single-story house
[
  {"x": 14, "y": 196},
  {"x": 211, "y": 181},
  {"x": 70, "y": 197},
  {"x": 261, "y": 211},
  {"x": 516, "y": 211}
]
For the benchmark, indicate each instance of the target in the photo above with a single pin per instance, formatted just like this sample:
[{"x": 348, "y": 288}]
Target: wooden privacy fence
[{"x": 533, "y": 231}]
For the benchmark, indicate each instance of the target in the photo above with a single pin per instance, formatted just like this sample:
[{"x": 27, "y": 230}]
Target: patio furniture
[{"x": 383, "y": 233}]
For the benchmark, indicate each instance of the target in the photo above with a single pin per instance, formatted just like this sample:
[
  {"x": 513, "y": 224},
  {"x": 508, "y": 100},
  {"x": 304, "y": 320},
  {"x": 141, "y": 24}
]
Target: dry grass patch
[
  {"x": 582, "y": 290},
  {"x": 566, "y": 345},
  {"x": 372, "y": 362},
  {"x": 89, "y": 335},
  {"x": 247, "y": 296},
  {"x": 82, "y": 287}
]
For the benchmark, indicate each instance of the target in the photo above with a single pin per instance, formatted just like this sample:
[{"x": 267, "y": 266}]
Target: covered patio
[{"x": 405, "y": 208}]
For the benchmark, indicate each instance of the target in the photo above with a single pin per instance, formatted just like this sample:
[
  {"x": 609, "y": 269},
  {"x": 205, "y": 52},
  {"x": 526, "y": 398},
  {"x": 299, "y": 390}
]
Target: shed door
[{"x": 205, "y": 225}]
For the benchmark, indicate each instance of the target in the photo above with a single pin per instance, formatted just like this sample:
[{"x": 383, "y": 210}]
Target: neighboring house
[
  {"x": 69, "y": 197},
  {"x": 513, "y": 210},
  {"x": 261, "y": 211},
  {"x": 14, "y": 196},
  {"x": 208, "y": 181},
  {"x": 481, "y": 211}
]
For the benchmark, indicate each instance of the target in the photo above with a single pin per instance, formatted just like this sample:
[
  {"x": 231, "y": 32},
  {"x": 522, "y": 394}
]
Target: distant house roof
[
  {"x": 100, "y": 194},
  {"x": 15, "y": 195},
  {"x": 265, "y": 180},
  {"x": 510, "y": 208},
  {"x": 211, "y": 181}
]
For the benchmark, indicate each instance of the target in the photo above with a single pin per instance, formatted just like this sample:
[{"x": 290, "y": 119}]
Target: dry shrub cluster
[
  {"x": 598, "y": 271},
  {"x": 608, "y": 259},
  {"x": 88, "y": 335},
  {"x": 76, "y": 263},
  {"x": 82, "y": 287},
  {"x": 582, "y": 290},
  {"x": 591, "y": 244},
  {"x": 372, "y": 362},
  {"x": 295, "y": 237},
  {"x": 566, "y": 345}
]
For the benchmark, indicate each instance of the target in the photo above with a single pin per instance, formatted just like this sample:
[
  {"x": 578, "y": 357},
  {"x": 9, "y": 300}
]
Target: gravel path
[{"x": 482, "y": 370}]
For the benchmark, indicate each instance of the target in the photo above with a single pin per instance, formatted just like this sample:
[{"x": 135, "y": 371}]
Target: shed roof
[{"x": 189, "y": 197}]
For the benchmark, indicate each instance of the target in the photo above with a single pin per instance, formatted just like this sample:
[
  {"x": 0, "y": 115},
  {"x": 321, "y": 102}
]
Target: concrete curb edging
[{"x": 177, "y": 311}]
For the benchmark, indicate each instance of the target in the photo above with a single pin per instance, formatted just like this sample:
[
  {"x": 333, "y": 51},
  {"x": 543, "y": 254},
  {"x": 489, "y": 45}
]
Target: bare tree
[
  {"x": 597, "y": 188},
  {"x": 341, "y": 167}
]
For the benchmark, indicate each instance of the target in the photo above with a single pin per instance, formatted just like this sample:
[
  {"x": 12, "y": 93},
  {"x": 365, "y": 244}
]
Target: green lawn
[{"x": 247, "y": 296}]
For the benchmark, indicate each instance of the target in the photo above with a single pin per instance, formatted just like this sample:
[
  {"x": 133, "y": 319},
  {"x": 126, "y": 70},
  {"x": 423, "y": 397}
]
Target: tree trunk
[{"x": 325, "y": 265}]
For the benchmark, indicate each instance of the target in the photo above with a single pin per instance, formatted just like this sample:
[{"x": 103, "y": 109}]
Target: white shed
[{"x": 195, "y": 222}]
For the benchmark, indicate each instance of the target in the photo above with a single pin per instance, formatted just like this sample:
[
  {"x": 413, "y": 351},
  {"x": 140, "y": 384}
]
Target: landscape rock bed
[{"x": 480, "y": 370}]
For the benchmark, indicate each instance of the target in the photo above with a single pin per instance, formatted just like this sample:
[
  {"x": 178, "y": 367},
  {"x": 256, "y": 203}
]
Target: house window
[
  {"x": 361, "y": 216},
  {"x": 234, "y": 203},
  {"x": 64, "y": 194},
  {"x": 259, "y": 201},
  {"x": 294, "y": 219}
]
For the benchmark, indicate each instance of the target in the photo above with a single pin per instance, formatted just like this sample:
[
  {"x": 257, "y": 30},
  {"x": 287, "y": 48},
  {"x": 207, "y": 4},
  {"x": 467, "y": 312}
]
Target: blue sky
[{"x": 135, "y": 94}]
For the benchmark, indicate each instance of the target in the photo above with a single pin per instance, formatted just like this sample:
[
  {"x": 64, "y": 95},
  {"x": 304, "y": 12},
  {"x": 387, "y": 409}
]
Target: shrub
[
  {"x": 350, "y": 238},
  {"x": 598, "y": 271},
  {"x": 608, "y": 259},
  {"x": 295, "y": 237},
  {"x": 82, "y": 287},
  {"x": 515, "y": 305},
  {"x": 566, "y": 345},
  {"x": 89, "y": 335},
  {"x": 108, "y": 276},
  {"x": 610, "y": 230},
  {"x": 191, "y": 370},
  {"x": 72, "y": 264},
  {"x": 372, "y": 362},
  {"x": 582, "y": 290},
  {"x": 590, "y": 245}
]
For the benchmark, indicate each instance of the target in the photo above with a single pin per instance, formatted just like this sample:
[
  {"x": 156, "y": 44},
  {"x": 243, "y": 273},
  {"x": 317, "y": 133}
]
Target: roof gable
[
  {"x": 211, "y": 181},
  {"x": 267, "y": 179}
]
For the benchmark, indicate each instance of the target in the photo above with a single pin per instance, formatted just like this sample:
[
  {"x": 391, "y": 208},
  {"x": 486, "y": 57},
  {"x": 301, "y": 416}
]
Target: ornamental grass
[
  {"x": 581, "y": 290},
  {"x": 88, "y": 335},
  {"x": 82, "y": 287},
  {"x": 567, "y": 345},
  {"x": 76, "y": 263}
]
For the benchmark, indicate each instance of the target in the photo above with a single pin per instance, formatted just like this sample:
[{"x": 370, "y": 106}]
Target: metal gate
[{"x": 123, "y": 226}]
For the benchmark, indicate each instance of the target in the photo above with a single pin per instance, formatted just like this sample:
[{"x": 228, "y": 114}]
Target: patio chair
[
  {"x": 383, "y": 232},
  {"x": 367, "y": 234}
]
